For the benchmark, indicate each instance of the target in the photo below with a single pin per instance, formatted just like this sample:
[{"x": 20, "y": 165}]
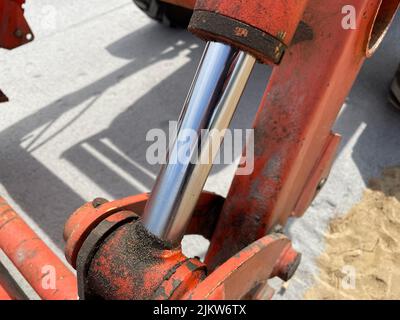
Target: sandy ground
[
  {"x": 100, "y": 74},
  {"x": 362, "y": 255}
]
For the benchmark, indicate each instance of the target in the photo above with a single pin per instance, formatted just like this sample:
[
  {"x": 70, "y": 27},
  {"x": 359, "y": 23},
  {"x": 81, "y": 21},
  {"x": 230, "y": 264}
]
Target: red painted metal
[
  {"x": 318, "y": 176},
  {"x": 168, "y": 272},
  {"x": 293, "y": 124},
  {"x": 14, "y": 30},
  {"x": 87, "y": 217},
  {"x": 83, "y": 220},
  {"x": 4, "y": 295},
  {"x": 32, "y": 256},
  {"x": 236, "y": 279},
  {"x": 183, "y": 280},
  {"x": 294, "y": 151},
  {"x": 263, "y": 28},
  {"x": 134, "y": 265},
  {"x": 278, "y": 18}
]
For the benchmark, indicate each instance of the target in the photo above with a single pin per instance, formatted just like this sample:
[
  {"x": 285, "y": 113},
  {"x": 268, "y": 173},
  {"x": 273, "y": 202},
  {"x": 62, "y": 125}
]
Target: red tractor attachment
[{"x": 130, "y": 248}]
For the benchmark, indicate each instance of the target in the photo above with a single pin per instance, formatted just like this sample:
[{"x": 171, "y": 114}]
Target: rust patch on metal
[
  {"x": 213, "y": 26},
  {"x": 130, "y": 264},
  {"x": 241, "y": 32}
]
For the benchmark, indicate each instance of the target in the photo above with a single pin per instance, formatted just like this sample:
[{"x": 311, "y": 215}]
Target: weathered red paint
[
  {"x": 4, "y": 295},
  {"x": 124, "y": 261},
  {"x": 278, "y": 18},
  {"x": 318, "y": 176},
  {"x": 87, "y": 217},
  {"x": 293, "y": 124},
  {"x": 31, "y": 255},
  {"x": 14, "y": 30},
  {"x": 294, "y": 150},
  {"x": 183, "y": 280},
  {"x": 268, "y": 257},
  {"x": 262, "y": 28},
  {"x": 131, "y": 264}
]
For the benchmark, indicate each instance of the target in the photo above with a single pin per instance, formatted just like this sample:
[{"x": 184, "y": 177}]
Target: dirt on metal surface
[{"x": 365, "y": 243}]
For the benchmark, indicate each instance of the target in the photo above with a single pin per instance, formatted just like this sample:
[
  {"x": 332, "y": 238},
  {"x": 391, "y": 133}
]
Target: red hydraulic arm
[
  {"x": 316, "y": 58},
  {"x": 294, "y": 145}
]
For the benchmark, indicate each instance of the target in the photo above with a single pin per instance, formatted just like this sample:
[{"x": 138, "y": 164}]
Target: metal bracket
[{"x": 14, "y": 30}]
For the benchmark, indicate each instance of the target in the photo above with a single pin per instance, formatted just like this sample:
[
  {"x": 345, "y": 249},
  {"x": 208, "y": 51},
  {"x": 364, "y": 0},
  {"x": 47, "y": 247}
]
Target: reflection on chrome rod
[{"x": 212, "y": 100}]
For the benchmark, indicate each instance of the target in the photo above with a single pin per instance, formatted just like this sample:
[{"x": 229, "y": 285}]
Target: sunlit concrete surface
[{"x": 100, "y": 74}]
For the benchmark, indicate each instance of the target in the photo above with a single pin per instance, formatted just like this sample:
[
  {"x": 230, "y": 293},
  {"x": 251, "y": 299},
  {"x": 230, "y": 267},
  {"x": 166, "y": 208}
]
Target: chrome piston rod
[{"x": 208, "y": 110}]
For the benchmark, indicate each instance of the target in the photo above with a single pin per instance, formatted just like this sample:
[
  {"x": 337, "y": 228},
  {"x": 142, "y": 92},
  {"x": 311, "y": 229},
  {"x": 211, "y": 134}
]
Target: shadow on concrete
[
  {"x": 369, "y": 116},
  {"x": 48, "y": 200}
]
